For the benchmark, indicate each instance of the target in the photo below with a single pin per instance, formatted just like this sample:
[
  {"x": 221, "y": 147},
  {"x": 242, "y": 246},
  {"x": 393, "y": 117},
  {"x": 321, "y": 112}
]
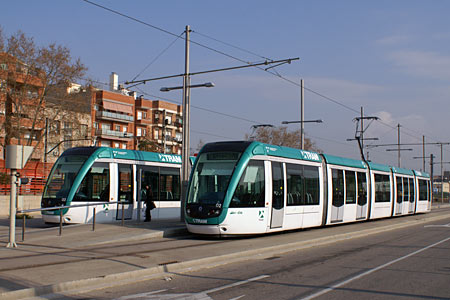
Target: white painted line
[
  {"x": 140, "y": 295},
  {"x": 324, "y": 291},
  {"x": 446, "y": 225},
  {"x": 239, "y": 297},
  {"x": 235, "y": 284}
]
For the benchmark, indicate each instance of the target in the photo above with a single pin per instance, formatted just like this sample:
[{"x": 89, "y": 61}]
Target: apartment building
[{"x": 122, "y": 120}]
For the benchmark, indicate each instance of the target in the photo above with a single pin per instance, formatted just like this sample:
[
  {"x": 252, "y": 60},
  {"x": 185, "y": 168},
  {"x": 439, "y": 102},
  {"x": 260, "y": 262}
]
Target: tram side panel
[
  {"x": 347, "y": 194},
  {"x": 381, "y": 194},
  {"x": 304, "y": 194},
  {"x": 248, "y": 211},
  {"x": 423, "y": 194}
]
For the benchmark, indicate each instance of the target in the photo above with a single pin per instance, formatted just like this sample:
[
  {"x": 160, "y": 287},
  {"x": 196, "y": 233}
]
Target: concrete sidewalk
[{"x": 80, "y": 259}]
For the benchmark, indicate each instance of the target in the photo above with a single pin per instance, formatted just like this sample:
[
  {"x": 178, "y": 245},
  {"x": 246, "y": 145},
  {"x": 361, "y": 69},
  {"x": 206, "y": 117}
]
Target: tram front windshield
[
  {"x": 62, "y": 176},
  {"x": 211, "y": 177}
]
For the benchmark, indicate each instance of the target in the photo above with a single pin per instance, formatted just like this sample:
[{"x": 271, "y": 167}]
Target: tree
[
  {"x": 282, "y": 137},
  {"x": 34, "y": 88},
  {"x": 145, "y": 143}
]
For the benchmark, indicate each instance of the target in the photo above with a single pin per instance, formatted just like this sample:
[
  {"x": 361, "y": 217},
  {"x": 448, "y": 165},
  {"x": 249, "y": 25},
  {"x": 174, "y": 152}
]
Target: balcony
[
  {"x": 114, "y": 116},
  {"x": 113, "y": 133}
]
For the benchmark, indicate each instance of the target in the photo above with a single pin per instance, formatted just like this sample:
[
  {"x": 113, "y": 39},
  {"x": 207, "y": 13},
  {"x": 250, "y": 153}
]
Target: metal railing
[{"x": 60, "y": 208}]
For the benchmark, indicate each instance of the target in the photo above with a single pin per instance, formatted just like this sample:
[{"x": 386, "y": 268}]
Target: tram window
[
  {"x": 362, "y": 188},
  {"x": 126, "y": 183},
  {"x": 312, "y": 192},
  {"x": 429, "y": 190},
  {"x": 382, "y": 188},
  {"x": 302, "y": 185},
  {"x": 350, "y": 187},
  {"x": 405, "y": 190},
  {"x": 295, "y": 185},
  {"x": 251, "y": 187},
  {"x": 95, "y": 185},
  {"x": 338, "y": 187},
  {"x": 411, "y": 190},
  {"x": 63, "y": 174},
  {"x": 210, "y": 178},
  {"x": 277, "y": 185},
  {"x": 169, "y": 184},
  {"x": 423, "y": 190},
  {"x": 399, "y": 189},
  {"x": 150, "y": 177}
]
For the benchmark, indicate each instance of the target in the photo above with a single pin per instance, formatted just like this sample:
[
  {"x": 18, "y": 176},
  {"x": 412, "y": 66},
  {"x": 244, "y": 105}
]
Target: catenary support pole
[
  {"x": 302, "y": 114},
  {"x": 186, "y": 125},
  {"x": 423, "y": 152}
]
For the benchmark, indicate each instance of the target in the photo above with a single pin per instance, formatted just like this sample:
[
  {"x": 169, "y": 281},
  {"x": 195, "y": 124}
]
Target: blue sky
[{"x": 391, "y": 57}]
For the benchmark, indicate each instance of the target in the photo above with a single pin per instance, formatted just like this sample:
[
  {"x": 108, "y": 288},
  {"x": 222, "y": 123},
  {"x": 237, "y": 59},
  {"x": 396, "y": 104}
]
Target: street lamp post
[
  {"x": 186, "y": 137},
  {"x": 302, "y": 138}
]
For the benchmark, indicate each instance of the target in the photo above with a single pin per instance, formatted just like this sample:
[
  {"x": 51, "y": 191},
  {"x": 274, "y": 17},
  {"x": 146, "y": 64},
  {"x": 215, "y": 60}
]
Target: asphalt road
[{"x": 408, "y": 263}]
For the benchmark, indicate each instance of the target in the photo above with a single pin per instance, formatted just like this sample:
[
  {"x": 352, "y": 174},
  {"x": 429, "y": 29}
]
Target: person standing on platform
[{"x": 149, "y": 204}]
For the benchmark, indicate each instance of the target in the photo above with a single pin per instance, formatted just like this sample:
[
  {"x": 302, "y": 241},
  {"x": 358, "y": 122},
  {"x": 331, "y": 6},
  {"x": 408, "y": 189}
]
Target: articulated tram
[
  {"x": 102, "y": 175},
  {"x": 254, "y": 188}
]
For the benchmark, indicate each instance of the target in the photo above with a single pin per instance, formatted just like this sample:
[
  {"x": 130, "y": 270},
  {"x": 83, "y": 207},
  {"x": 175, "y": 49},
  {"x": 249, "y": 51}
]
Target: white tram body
[
  {"x": 254, "y": 188},
  {"x": 103, "y": 176}
]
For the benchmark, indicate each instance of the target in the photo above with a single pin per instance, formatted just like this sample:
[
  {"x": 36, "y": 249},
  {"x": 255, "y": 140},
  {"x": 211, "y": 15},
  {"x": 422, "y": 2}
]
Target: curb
[
  {"x": 203, "y": 263},
  {"x": 171, "y": 232}
]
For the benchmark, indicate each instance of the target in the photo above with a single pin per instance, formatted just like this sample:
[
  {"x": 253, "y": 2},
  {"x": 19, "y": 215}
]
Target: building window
[
  {"x": 116, "y": 145},
  {"x": 139, "y": 115},
  {"x": 2, "y": 85},
  {"x": 155, "y": 134},
  {"x": 84, "y": 130},
  {"x": 105, "y": 143},
  {"x": 106, "y": 126},
  {"x": 124, "y": 146},
  {"x": 144, "y": 115},
  {"x": 125, "y": 129},
  {"x": 139, "y": 132},
  {"x": 95, "y": 125},
  {"x": 117, "y": 127}
]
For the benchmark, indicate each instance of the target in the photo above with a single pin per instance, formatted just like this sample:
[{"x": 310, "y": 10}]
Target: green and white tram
[
  {"x": 87, "y": 175},
  {"x": 253, "y": 188}
]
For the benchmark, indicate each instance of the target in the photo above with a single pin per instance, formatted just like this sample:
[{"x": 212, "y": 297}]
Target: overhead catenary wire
[
  {"x": 158, "y": 56},
  {"x": 201, "y": 108},
  {"x": 233, "y": 57}
]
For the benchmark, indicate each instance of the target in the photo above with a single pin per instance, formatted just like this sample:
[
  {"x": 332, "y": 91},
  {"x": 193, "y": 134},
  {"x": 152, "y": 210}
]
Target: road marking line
[
  {"x": 140, "y": 295},
  {"x": 324, "y": 291},
  {"x": 446, "y": 225},
  {"x": 235, "y": 284}
]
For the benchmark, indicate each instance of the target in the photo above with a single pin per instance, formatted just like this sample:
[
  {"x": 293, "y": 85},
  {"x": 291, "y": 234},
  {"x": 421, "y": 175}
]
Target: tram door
[
  {"x": 125, "y": 192},
  {"x": 399, "y": 206},
  {"x": 361, "y": 211},
  {"x": 337, "y": 208},
  {"x": 412, "y": 196},
  {"x": 150, "y": 178},
  {"x": 277, "y": 195}
]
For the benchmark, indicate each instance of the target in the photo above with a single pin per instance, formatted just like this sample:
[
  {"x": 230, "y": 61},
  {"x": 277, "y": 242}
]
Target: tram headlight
[{"x": 214, "y": 212}]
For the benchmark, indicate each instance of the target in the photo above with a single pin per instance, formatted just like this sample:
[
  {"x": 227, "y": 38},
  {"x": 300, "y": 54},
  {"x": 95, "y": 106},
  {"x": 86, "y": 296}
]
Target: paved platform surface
[{"x": 46, "y": 263}]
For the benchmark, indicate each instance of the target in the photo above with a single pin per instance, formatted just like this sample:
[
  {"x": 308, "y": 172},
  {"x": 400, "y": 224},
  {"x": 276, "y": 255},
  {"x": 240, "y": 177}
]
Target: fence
[
  {"x": 60, "y": 208},
  {"x": 37, "y": 173}
]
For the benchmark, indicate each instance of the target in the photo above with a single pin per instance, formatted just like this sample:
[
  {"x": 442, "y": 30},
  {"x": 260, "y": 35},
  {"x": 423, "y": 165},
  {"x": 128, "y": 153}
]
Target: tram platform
[{"x": 46, "y": 263}]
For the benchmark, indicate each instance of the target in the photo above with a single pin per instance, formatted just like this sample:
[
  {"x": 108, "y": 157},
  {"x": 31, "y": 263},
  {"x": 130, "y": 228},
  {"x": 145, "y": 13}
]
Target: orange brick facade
[{"x": 121, "y": 121}]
